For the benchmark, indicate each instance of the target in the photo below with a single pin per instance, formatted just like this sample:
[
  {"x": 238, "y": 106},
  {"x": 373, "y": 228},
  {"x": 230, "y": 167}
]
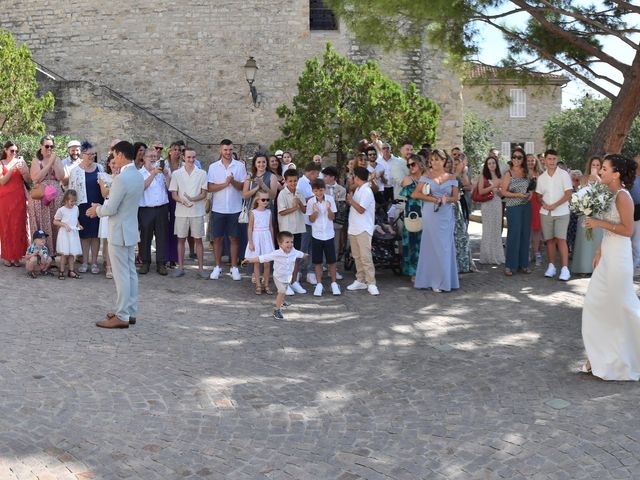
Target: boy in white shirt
[
  {"x": 321, "y": 210},
  {"x": 361, "y": 225},
  {"x": 291, "y": 208},
  {"x": 283, "y": 260}
]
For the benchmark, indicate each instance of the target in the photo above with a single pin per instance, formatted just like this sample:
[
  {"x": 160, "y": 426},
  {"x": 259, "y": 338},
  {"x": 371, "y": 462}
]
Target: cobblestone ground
[{"x": 477, "y": 384}]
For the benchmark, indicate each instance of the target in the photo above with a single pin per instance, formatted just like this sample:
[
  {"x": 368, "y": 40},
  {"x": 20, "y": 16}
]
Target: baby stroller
[{"x": 386, "y": 242}]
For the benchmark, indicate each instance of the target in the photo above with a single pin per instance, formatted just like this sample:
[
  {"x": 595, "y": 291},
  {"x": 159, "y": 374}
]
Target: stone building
[
  {"x": 520, "y": 117},
  {"x": 146, "y": 69}
]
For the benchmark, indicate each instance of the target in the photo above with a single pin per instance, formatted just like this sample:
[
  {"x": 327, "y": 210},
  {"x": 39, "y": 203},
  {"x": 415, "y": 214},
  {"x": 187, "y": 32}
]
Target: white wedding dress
[{"x": 611, "y": 312}]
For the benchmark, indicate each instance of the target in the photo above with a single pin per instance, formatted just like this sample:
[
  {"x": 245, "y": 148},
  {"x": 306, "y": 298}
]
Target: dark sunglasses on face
[
  {"x": 264, "y": 199},
  {"x": 13, "y": 150},
  {"x": 517, "y": 157},
  {"x": 158, "y": 148},
  {"x": 411, "y": 164},
  {"x": 48, "y": 146}
]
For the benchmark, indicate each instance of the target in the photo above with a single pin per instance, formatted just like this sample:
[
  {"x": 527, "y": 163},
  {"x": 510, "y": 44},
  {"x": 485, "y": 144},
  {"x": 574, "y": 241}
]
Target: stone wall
[
  {"x": 541, "y": 102},
  {"x": 182, "y": 61}
]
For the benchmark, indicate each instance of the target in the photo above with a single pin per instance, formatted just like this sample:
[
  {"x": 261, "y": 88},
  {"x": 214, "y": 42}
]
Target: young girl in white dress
[
  {"x": 611, "y": 312},
  {"x": 260, "y": 235},
  {"x": 68, "y": 242}
]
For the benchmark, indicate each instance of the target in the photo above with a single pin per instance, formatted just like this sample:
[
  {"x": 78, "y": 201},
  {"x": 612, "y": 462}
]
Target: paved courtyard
[{"x": 481, "y": 383}]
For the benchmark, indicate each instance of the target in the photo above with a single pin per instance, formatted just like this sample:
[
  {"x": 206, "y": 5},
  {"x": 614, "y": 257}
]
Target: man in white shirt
[
  {"x": 73, "y": 149},
  {"x": 555, "y": 189},
  {"x": 386, "y": 160},
  {"x": 376, "y": 170},
  {"x": 399, "y": 168},
  {"x": 226, "y": 179},
  {"x": 189, "y": 189},
  {"x": 361, "y": 225},
  {"x": 153, "y": 214}
]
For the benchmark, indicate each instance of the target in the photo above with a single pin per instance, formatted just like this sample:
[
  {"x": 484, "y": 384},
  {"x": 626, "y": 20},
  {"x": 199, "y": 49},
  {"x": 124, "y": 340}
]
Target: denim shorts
[{"x": 225, "y": 224}]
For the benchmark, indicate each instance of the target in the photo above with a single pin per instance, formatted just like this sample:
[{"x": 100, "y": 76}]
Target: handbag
[
  {"x": 37, "y": 191},
  {"x": 50, "y": 194},
  {"x": 244, "y": 213},
  {"x": 475, "y": 195},
  {"x": 413, "y": 222}
]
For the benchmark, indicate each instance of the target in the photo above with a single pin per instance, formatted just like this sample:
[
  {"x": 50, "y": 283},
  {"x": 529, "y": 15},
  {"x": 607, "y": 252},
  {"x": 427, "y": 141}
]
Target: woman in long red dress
[{"x": 13, "y": 207}]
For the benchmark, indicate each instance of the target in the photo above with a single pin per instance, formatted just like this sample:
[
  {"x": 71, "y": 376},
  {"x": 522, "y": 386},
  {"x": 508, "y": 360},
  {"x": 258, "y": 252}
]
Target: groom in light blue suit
[{"x": 122, "y": 209}]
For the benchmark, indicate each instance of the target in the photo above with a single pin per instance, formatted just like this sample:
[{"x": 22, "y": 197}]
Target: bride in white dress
[{"x": 611, "y": 312}]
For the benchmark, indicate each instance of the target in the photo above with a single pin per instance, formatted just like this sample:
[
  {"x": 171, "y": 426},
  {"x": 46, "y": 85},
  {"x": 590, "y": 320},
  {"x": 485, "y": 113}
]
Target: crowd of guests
[{"x": 309, "y": 214}]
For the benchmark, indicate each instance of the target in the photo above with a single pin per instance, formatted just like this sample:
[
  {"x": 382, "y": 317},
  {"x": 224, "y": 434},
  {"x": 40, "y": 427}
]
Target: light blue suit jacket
[{"x": 122, "y": 208}]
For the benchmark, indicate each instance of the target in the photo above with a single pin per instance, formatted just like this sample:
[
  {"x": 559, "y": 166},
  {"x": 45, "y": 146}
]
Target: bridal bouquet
[{"x": 592, "y": 200}]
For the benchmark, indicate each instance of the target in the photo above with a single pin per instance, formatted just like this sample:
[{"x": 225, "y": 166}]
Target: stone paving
[{"x": 481, "y": 383}]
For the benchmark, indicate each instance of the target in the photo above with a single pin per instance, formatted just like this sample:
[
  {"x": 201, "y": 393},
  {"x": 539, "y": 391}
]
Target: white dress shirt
[
  {"x": 156, "y": 193},
  {"x": 283, "y": 263},
  {"x": 229, "y": 199},
  {"x": 322, "y": 228},
  {"x": 362, "y": 222}
]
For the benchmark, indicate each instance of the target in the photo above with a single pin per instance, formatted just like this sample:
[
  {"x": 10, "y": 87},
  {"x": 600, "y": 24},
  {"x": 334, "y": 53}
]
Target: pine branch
[
  {"x": 537, "y": 13},
  {"x": 627, "y": 6}
]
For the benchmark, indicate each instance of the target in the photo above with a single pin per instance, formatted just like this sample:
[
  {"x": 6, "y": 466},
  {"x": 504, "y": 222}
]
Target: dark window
[{"x": 321, "y": 17}]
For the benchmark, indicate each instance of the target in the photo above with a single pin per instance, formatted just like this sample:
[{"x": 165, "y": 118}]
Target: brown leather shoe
[
  {"x": 113, "y": 322},
  {"x": 162, "y": 269},
  {"x": 132, "y": 320},
  {"x": 143, "y": 269}
]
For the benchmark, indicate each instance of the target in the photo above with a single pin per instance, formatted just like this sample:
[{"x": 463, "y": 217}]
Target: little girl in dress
[
  {"x": 68, "y": 242},
  {"x": 260, "y": 235}
]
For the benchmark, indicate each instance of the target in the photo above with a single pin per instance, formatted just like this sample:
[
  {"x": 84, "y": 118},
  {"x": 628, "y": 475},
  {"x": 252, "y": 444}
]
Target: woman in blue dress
[{"x": 437, "y": 267}]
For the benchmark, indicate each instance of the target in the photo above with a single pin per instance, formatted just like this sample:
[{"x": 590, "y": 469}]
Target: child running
[
  {"x": 283, "y": 261},
  {"x": 260, "y": 235},
  {"x": 68, "y": 243}
]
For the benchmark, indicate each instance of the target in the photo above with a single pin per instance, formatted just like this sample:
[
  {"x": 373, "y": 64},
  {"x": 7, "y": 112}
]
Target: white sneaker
[
  {"x": 215, "y": 274},
  {"x": 235, "y": 274},
  {"x": 311, "y": 278},
  {"x": 296, "y": 287},
  {"x": 289, "y": 291},
  {"x": 83, "y": 268},
  {"x": 335, "y": 288},
  {"x": 373, "y": 290},
  {"x": 338, "y": 276},
  {"x": 551, "y": 271},
  {"x": 565, "y": 274},
  {"x": 538, "y": 259},
  {"x": 318, "y": 290},
  {"x": 356, "y": 285}
]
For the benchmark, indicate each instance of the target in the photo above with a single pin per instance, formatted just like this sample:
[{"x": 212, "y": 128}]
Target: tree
[
  {"x": 478, "y": 133},
  {"x": 20, "y": 110},
  {"x": 570, "y": 132},
  {"x": 542, "y": 35},
  {"x": 339, "y": 102}
]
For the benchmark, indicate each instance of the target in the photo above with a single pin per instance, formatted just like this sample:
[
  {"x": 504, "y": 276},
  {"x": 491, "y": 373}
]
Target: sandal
[
  {"x": 47, "y": 273},
  {"x": 258, "y": 289},
  {"x": 74, "y": 275},
  {"x": 32, "y": 275},
  {"x": 108, "y": 273},
  {"x": 508, "y": 272},
  {"x": 7, "y": 263},
  {"x": 61, "y": 275},
  {"x": 525, "y": 270},
  {"x": 268, "y": 291}
]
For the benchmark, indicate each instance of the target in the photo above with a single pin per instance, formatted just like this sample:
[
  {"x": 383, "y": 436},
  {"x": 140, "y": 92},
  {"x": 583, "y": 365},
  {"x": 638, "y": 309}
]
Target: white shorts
[{"x": 184, "y": 224}]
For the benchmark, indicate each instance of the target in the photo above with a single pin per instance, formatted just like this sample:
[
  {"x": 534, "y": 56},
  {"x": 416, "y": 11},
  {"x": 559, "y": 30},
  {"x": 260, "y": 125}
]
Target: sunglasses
[
  {"x": 411, "y": 164},
  {"x": 517, "y": 157},
  {"x": 13, "y": 150},
  {"x": 263, "y": 199},
  {"x": 48, "y": 146},
  {"x": 372, "y": 154},
  {"x": 158, "y": 148}
]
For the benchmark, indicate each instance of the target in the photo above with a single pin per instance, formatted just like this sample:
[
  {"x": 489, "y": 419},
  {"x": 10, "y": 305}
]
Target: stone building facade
[
  {"x": 174, "y": 69},
  {"x": 520, "y": 121}
]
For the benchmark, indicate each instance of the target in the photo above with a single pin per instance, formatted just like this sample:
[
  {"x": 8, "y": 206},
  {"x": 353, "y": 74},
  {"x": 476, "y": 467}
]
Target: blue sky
[{"x": 493, "y": 48}]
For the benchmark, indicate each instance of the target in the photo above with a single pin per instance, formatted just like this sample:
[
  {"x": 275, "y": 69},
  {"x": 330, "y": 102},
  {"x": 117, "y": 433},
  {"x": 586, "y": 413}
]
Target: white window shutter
[
  {"x": 518, "y": 106},
  {"x": 506, "y": 151},
  {"x": 528, "y": 147}
]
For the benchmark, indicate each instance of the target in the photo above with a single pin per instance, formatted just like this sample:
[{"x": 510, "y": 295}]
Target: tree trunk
[{"x": 612, "y": 132}]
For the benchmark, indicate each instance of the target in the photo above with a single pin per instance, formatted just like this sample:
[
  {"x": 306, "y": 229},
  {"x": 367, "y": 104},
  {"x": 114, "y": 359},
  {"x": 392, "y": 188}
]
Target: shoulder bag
[{"x": 475, "y": 195}]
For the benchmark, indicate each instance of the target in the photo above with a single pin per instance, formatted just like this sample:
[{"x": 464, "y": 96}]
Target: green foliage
[
  {"x": 478, "y": 133},
  {"x": 28, "y": 145},
  {"x": 20, "y": 110},
  {"x": 339, "y": 102},
  {"x": 571, "y": 131}
]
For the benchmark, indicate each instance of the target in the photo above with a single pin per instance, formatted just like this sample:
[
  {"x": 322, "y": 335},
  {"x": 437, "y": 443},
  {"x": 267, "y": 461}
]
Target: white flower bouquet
[{"x": 592, "y": 200}]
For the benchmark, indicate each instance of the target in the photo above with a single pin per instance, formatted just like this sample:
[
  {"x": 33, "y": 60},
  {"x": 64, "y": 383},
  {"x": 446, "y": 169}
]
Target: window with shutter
[
  {"x": 518, "y": 107},
  {"x": 321, "y": 17},
  {"x": 528, "y": 147}
]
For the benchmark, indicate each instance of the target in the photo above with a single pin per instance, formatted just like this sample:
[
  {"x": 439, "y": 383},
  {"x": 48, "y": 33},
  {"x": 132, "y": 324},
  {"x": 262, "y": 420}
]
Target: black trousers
[{"x": 152, "y": 221}]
